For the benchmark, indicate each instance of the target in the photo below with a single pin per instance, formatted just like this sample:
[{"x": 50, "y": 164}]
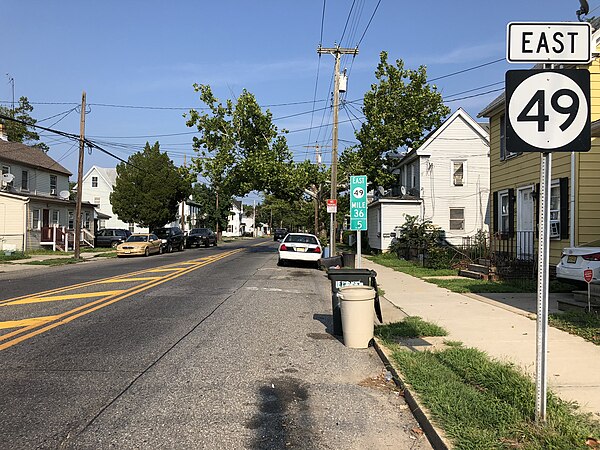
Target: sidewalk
[
  {"x": 500, "y": 325},
  {"x": 21, "y": 264}
]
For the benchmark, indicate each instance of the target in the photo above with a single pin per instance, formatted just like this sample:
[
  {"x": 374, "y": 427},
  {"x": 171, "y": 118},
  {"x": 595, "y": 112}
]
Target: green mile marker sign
[{"x": 358, "y": 202}]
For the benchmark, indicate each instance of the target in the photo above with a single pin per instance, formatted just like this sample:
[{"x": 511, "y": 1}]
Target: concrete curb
[{"x": 433, "y": 436}]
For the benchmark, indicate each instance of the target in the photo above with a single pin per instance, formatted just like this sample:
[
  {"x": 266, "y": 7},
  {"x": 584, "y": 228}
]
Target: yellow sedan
[{"x": 140, "y": 244}]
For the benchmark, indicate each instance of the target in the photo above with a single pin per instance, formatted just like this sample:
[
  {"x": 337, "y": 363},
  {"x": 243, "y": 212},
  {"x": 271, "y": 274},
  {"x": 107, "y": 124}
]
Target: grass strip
[
  {"x": 481, "y": 403},
  {"x": 580, "y": 323},
  {"x": 484, "y": 404},
  {"x": 54, "y": 262},
  {"x": 13, "y": 256}
]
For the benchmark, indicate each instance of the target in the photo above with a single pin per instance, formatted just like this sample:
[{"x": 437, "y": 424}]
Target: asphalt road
[{"x": 208, "y": 348}]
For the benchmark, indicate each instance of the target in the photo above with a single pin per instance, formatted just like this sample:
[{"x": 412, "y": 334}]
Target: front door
[
  {"x": 46, "y": 231},
  {"x": 525, "y": 223}
]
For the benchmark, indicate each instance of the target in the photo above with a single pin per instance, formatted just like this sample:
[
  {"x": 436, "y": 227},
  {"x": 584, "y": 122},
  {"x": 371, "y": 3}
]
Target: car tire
[
  {"x": 207, "y": 244},
  {"x": 215, "y": 244},
  {"x": 160, "y": 250},
  {"x": 281, "y": 262},
  {"x": 169, "y": 248},
  {"x": 181, "y": 247},
  {"x": 147, "y": 252}
]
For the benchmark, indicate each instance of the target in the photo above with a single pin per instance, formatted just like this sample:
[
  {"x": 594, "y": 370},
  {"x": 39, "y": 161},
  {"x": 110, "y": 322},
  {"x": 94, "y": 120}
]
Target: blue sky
[{"x": 149, "y": 53}]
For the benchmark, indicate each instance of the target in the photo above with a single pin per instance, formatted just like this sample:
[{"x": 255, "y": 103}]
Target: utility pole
[
  {"x": 255, "y": 232},
  {"x": 80, "y": 178},
  {"x": 336, "y": 52},
  {"x": 316, "y": 191}
]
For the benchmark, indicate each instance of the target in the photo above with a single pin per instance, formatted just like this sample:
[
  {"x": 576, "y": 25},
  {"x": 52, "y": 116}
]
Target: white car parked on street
[
  {"x": 574, "y": 260},
  {"x": 300, "y": 247}
]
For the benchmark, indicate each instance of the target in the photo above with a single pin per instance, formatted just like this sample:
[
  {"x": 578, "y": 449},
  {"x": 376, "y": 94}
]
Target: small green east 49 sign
[{"x": 358, "y": 202}]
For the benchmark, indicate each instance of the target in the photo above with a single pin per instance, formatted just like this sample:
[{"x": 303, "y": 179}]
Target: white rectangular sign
[{"x": 554, "y": 42}]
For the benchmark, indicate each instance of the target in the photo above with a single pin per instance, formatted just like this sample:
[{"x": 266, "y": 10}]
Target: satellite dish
[
  {"x": 403, "y": 190},
  {"x": 7, "y": 178},
  {"x": 64, "y": 194}
]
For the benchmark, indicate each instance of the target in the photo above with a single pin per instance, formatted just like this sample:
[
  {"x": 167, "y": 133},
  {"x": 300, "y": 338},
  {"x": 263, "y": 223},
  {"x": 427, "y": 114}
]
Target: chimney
[{"x": 3, "y": 135}]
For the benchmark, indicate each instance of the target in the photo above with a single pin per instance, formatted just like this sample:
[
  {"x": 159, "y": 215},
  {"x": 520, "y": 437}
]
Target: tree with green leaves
[
  {"x": 148, "y": 188},
  {"x": 240, "y": 150},
  {"x": 20, "y": 132},
  {"x": 205, "y": 195},
  {"x": 400, "y": 109}
]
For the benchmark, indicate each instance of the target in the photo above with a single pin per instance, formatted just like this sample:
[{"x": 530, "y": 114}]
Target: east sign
[{"x": 550, "y": 42}]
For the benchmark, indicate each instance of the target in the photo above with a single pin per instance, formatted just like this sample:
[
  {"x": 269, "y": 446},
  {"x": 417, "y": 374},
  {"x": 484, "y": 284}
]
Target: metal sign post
[
  {"x": 331, "y": 209},
  {"x": 358, "y": 210},
  {"x": 588, "y": 275},
  {"x": 547, "y": 111}
]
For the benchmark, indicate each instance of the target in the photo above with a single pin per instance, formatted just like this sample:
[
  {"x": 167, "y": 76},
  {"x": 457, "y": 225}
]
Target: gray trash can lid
[{"x": 356, "y": 293}]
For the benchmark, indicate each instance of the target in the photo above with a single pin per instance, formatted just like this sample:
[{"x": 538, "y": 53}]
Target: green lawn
[
  {"x": 481, "y": 403},
  {"x": 55, "y": 262},
  {"x": 580, "y": 323},
  {"x": 392, "y": 261},
  {"x": 12, "y": 257}
]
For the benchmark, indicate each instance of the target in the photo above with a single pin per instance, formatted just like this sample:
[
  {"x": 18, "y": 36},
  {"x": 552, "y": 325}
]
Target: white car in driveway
[
  {"x": 574, "y": 260},
  {"x": 300, "y": 247}
]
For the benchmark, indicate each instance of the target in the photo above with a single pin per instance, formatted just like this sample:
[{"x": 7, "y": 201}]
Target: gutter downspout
[{"x": 26, "y": 209}]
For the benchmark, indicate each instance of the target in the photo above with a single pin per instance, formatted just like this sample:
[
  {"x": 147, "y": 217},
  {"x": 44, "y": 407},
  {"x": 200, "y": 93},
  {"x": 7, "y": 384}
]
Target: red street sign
[
  {"x": 332, "y": 205},
  {"x": 588, "y": 274}
]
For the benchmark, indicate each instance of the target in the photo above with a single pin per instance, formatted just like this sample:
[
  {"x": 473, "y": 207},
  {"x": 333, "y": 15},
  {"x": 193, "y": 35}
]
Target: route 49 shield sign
[{"x": 548, "y": 110}]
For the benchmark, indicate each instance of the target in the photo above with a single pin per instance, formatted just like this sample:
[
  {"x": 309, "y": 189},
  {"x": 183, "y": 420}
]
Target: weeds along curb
[{"x": 433, "y": 436}]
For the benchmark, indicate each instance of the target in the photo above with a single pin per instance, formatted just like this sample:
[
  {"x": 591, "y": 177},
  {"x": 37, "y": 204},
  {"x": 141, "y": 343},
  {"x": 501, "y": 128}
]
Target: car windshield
[
  {"x": 162, "y": 232},
  {"x": 137, "y": 238},
  {"x": 202, "y": 231},
  {"x": 301, "y": 239}
]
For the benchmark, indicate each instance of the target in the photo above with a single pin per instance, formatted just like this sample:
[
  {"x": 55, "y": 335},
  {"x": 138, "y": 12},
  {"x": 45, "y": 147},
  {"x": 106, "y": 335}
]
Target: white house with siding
[{"x": 448, "y": 176}]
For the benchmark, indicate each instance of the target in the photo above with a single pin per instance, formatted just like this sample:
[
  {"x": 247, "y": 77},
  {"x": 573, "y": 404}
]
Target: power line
[
  {"x": 475, "y": 95},
  {"x": 368, "y": 24},
  {"x": 466, "y": 70},
  {"x": 473, "y": 90},
  {"x": 347, "y": 20}
]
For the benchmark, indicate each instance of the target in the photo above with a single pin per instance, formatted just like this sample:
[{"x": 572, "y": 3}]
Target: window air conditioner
[{"x": 52, "y": 191}]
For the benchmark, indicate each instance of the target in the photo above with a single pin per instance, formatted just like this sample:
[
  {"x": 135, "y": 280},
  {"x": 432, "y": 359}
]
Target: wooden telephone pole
[
  {"x": 316, "y": 191},
  {"x": 80, "y": 179},
  {"x": 336, "y": 52}
]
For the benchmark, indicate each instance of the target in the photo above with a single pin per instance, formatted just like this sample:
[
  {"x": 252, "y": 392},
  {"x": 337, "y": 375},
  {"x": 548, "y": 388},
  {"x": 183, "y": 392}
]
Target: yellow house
[{"x": 514, "y": 186}]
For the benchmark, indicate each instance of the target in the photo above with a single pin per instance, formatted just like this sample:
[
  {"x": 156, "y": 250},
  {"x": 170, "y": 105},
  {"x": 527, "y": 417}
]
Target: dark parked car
[
  {"x": 110, "y": 237},
  {"x": 201, "y": 236},
  {"x": 172, "y": 238},
  {"x": 279, "y": 234}
]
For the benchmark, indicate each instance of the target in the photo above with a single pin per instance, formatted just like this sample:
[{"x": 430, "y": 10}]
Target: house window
[
  {"x": 55, "y": 217},
  {"x": 97, "y": 201},
  {"x": 101, "y": 224},
  {"x": 24, "y": 180},
  {"x": 52, "y": 184},
  {"x": 230, "y": 228},
  {"x": 457, "y": 218},
  {"x": 35, "y": 219},
  {"x": 71, "y": 219},
  {"x": 503, "y": 212},
  {"x": 6, "y": 169},
  {"x": 94, "y": 181},
  {"x": 132, "y": 227},
  {"x": 458, "y": 173},
  {"x": 86, "y": 223}
]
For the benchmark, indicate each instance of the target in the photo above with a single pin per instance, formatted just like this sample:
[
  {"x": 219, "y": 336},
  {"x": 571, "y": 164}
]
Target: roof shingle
[{"x": 30, "y": 156}]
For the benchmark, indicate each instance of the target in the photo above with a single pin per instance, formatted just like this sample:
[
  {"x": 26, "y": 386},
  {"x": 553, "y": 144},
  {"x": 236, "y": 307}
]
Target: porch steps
[
  {"x": 475, "y": 271},
  {"x": 578, "y": 305}
]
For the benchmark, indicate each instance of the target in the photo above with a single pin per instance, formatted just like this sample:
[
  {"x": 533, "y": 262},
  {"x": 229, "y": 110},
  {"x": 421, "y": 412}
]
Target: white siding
[
  {"x": 458, "y": 142},
  {"x": 12, "y": 225},
  {"x": 384, "y": 216}
]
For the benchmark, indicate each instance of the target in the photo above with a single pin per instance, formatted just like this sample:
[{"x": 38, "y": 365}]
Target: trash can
[
  {"x": 348, "y": 259},
  {"x": 348, "y": 277},
  {"x": 358, "y": 318}
]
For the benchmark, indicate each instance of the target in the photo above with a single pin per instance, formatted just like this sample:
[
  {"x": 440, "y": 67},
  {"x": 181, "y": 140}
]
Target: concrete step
[
  {"x": 575, "y": 305},
  {"x": 472, "y": 274},
  {"x": 479, "y": 268},
  {"x": 582, "y": 296}
]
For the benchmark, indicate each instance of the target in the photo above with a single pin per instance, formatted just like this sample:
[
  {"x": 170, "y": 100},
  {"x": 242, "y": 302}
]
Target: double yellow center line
[{"x": 31, "y": 327}]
